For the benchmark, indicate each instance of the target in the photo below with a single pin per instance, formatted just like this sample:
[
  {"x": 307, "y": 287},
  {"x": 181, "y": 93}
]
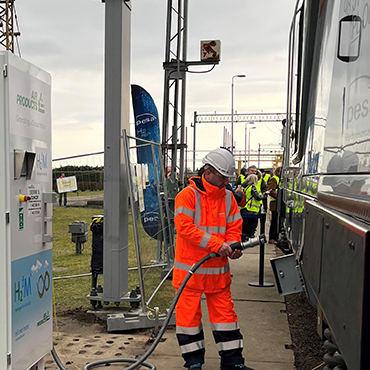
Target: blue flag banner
[{"x": 147, "y": 127}]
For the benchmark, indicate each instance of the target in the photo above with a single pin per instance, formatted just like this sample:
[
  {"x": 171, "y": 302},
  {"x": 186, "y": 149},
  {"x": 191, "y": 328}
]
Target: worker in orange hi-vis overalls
[{"x": 207, "y": 219}]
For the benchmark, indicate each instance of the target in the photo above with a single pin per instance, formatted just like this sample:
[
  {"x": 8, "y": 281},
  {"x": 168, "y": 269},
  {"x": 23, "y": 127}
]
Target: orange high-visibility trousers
[{"x": 224, "y": 323}]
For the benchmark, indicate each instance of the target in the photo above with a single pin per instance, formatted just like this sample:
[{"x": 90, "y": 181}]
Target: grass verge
[{"x": 71, "y": 293}]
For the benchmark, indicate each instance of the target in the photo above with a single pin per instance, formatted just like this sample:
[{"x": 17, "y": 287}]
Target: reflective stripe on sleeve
[
  {"x": 225, "y": 326},
  {"x": 227, "y": 346},
  {"x": 203, "y": 270},
  {"x": 205, "y": 240},
  {"x": 189, "y": 331},
  {"x": 213, "y": 229},
  {"x": 192, "y": 347},
  {"x": 198, "y": 209},
  {"x": 185, "y": 211},
  {"x": 233, "y": 218},
  {"x": 228, "y": 203}
]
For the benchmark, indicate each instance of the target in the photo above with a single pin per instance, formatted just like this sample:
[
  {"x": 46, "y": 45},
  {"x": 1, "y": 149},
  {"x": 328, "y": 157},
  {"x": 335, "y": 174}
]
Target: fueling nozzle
[{"x": 250, "y": 243}]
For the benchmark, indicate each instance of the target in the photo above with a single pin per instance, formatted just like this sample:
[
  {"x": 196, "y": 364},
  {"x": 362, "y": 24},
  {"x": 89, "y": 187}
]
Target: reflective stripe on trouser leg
[
  {"x": 189, "y": 330},
  {"x": 225, "y": 328}
]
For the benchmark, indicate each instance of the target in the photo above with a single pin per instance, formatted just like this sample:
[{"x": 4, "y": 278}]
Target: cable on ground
[{"x": 318, "y": 367}]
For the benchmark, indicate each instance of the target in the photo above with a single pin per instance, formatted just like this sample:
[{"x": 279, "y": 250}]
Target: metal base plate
[
  {"x": 264, "y": 285},
  {"x": 126, "y": 298},
  {"x": 122, "y": 321}
]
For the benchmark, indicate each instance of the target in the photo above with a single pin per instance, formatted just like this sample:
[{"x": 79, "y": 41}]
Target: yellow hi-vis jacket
[
  {"x": 266, "y": 177},
  {"x": 252, "y": 205}
]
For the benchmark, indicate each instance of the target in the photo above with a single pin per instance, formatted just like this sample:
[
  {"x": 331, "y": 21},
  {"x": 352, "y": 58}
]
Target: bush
[{"x": 88, "y": 178}]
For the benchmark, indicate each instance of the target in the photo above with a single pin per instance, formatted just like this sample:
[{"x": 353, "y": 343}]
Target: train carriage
[{"x": 325, "y": 184}]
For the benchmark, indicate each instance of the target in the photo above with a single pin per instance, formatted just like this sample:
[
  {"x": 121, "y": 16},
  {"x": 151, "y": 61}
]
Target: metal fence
[{"x": 88, "y": 169}]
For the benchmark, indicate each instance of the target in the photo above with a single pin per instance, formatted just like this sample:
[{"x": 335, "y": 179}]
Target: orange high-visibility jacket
[{"x": 205, "y": 218}]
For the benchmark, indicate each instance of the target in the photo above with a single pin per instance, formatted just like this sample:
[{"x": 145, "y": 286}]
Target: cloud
[{"x": 67, "y": 39}]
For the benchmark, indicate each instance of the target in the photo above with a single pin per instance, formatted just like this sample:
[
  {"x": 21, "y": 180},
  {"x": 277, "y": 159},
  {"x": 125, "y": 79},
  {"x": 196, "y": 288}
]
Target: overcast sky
[{"x": 66, "y": 38}]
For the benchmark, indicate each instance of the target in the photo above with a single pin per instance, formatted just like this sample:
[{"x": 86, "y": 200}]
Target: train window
[
  {"x": 299, "y": 79},
  {"x": 305, "y": 61},
  {"x": 349, "y": 40}
]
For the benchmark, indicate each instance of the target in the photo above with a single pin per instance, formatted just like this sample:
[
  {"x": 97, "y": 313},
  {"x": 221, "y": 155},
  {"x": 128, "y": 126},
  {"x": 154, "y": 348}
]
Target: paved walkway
[{"x": 262, "y": 320}]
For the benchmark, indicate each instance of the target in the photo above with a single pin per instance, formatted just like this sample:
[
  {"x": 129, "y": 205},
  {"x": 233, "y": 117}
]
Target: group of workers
[
  {"x": 208, "y": 219},
  {"x": 258, "y": 184}
]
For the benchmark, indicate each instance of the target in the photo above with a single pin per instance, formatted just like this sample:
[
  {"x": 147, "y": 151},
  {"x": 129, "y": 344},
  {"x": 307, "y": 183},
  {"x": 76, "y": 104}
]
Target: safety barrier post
[{"x": 261, "y": 282}]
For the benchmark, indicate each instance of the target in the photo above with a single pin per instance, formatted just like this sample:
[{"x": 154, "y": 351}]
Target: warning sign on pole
[{"x": 210, "y": 50}]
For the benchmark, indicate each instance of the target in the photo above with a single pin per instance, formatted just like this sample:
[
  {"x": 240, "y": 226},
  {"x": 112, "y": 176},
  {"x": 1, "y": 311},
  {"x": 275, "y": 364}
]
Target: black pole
[
  {"x": 262, "y": 218},
  {"x": 261, "y": 283},
  {"x": 262, "y": 264}
]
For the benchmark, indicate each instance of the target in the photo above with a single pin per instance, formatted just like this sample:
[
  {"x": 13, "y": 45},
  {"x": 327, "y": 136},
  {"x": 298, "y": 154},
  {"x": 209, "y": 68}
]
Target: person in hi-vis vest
[
  {"x": 207, "y": 220},
  {"x": 62, "y": 195},
  {"x": 273, "y": 186},
  {"x": 264, "y": 179},
  {"x": 252, "y": 208}
]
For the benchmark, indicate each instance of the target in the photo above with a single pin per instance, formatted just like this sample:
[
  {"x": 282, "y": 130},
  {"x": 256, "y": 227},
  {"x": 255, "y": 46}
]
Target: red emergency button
[{"x": 23, "y": 198}]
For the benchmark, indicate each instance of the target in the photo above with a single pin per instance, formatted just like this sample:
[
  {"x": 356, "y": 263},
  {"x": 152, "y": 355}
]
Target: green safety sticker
[{"x": 21, "y": 218}]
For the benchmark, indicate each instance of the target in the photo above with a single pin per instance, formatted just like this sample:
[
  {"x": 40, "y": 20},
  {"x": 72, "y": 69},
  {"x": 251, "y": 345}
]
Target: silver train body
[{"x": 325, "y": 183}]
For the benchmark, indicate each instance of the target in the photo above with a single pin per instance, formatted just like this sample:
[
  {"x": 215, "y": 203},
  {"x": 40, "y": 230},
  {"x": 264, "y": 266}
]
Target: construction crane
[{"x": 7, "y": 30}]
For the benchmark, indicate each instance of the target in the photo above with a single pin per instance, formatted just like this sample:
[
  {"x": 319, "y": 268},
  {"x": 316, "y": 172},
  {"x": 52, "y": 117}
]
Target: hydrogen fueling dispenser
[{"x": 26, "y": 199}]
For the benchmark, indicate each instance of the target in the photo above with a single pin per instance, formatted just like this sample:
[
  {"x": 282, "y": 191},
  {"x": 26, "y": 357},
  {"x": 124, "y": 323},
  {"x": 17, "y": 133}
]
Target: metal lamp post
[
  {"x": 232, "y": 110},
  {"x": 249, "y": 142},
  {"x": 245, "y": 141}
]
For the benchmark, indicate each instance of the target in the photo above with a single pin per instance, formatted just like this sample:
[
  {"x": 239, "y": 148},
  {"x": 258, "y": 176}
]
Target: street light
[
  {"x": 249, "y": 142},
  {"x": 232, "y": 110},
  {"x": 245, "y": 141}
]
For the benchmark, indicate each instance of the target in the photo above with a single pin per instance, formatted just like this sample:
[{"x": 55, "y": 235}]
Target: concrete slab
[
  {"x": 171, "y": 363},
  {"x": 246, "y": 270}
]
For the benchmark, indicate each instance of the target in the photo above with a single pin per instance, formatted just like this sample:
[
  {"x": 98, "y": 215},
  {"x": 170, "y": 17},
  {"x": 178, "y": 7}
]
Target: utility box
[
  {"x": 286, "y": 274},
  {"x": 78, "y": 229},
  {"x": 26, "y": 309}
]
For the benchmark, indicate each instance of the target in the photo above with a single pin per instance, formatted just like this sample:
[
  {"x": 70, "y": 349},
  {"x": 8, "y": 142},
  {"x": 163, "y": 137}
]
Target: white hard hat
[{"x": 221, "y": 160}]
